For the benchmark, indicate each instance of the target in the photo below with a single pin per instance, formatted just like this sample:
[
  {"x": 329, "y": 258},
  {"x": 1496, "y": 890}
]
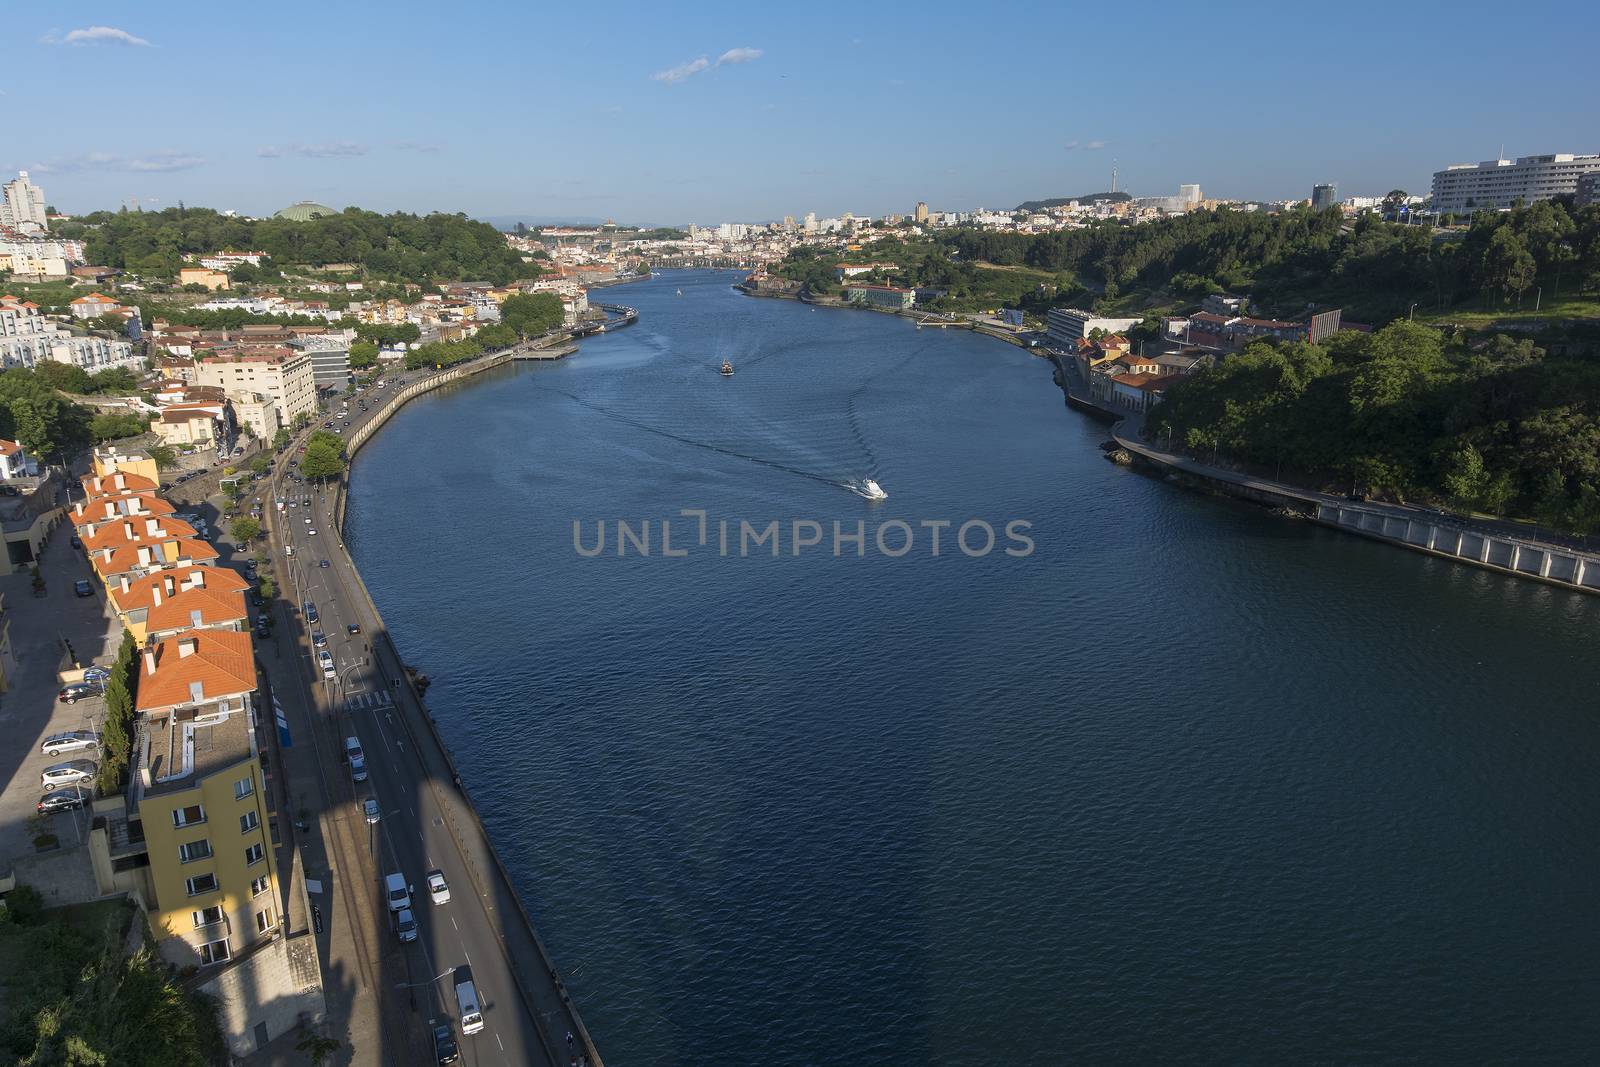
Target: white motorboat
[{"x": 873, "y": 491}]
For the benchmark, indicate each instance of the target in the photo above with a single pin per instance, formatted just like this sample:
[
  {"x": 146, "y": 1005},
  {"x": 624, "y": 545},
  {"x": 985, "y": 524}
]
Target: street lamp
[{"x": 1411, "y": 312}]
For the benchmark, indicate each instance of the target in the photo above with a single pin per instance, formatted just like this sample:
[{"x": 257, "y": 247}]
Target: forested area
[
  {"x": 422, "y": 249},
  {"x": 1496, "y": 425}
]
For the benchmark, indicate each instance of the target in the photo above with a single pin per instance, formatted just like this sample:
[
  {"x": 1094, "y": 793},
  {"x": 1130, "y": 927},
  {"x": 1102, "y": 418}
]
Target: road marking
[
  {"x": 455, "y": 924},
  {"x": 497, "y": 1041}
]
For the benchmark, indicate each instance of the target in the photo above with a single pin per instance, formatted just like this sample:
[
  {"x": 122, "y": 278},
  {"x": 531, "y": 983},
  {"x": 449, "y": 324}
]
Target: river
[{"x": 1186, "y": 782}]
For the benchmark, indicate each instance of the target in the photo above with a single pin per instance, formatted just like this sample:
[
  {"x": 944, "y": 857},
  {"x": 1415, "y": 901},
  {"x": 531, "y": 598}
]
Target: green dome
[{"x": 305, "y": 211}]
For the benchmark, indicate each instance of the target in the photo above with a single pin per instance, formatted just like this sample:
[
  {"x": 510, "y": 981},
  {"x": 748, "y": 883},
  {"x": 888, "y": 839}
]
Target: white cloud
[
  {"x": 682, "y": 72},
  {"x": 326, "y": 150},
  {"x": 739, "y": 55},
  {"x": 96, "y": 34},
  {"x": 1087, "y": 146},
  {"x": 160, "y": 162}
]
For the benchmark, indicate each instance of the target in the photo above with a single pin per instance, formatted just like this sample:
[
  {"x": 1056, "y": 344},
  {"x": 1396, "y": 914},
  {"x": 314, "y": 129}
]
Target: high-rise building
[
  {"x": 921, "y": 213},
  {"x": 1324, "y": 196},
  {"x": 1499, "y": 183},
  {"x": 811, "y": 222},
  {"x": 22, "y": 205},
  {"x": 285, "y": 374},
  {"x": 1189, "y": 195}
]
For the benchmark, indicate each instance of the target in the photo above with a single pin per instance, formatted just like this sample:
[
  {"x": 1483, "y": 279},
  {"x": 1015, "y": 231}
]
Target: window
[
  {"x": 260, "y": 885},
  {"x": 190, "y": 851},
  {"x": 248, "y": 821},
  {"x": 189, "y": 816},
  {"x": 264, "y": 920},
  {"x": 253, "y": 855},
  {"x": 201, "y": 883},
  {"x": 214, "y": 952},
  {"x": 243, "y": 788},
  {"x": 208, "y": 916}
]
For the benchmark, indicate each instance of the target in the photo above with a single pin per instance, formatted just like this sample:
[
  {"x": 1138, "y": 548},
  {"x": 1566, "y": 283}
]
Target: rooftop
[
  {"x": 197, "y": 667},
  {"x": 180, "y": 747}
]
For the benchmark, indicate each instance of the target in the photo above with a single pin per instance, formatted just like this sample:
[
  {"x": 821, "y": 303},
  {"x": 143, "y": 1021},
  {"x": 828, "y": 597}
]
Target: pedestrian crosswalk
[{"x": 374, "y": 699}]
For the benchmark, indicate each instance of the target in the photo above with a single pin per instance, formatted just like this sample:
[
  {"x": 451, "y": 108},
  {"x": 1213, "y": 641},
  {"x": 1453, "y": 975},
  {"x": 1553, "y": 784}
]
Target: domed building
[{"x": 304, "y": 211}]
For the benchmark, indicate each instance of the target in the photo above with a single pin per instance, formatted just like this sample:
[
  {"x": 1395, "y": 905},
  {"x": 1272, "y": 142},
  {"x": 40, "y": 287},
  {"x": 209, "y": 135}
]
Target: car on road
[
  {"x": 444, "y": 1045},
  {"x": 76, "y": 541},
  {"x": 405, "y": 925},
  {"x": 323, "y": 564},
  {"x": 438, "y": 888},
  {"x": 319, "y": 639},
  {"x": 76, "y": 691},
  {"x": 326, "y": 660},
  {"x": 310, "y": 532},
  {"x": 311, "y": 611},
  {"x": 81, "y": 587},
  {"x": 397, "y": 892},
  {"x": 51, "y": 803},
  {"x": 72, "y": 772},
  {"x": 371, "y": 810},
  {"x": 308, "y": 520},
  {"x": 71, "y": 741},
  {"x": 351, "y": 628},
  {"x": 263, "y": 630}
]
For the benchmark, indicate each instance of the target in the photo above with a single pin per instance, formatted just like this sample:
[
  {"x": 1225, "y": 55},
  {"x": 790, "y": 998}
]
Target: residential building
[
  {"x": 227, "y": 261},
  {"x": 1225, "y": 304},
  {"x": 186, "y": 425},
  {"x": 206, "y": 276},
  {"x": 202, "y": 800},
  {"x": 166, "y": 603},
  {"x": 920, "y": 215},
  {"x": 330, "y": 358},
  {"x": 36, "y": 255},
  {"x": 284, "y": 374},
  {"x": 93, "y": 305},
  {"x": 1497, "y": 184},
  {"x": 22, "y": 205},
  {"x": 27, "y": 339},
  {"x": 89, "y": 515},
  {"x": 121, "y": 470},
  {"x": 258, "y": 412},
  {"x": 882, "y": 296},
  {"x": 15, "y": 463},
  {"x": 1189, "y": 195},
  {"x": 136, "y": 559},
  {"x": 1140, "y": 392},
  {"x": 1324, "y": 197},
  {"x": 841, "y": 271},
  {"x": 1588, "y": 191},
  {"x": 1066, "y": 326}
]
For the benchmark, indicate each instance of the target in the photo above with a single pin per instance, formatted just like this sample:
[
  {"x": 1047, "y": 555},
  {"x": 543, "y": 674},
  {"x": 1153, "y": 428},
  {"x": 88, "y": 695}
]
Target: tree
[
  {"x": 122, "y": 424},
  {"x": 260, "y": 463},
  {"x": 363, "y": 354},
  {"x": 67, "y": 377},
  {"x": 530, "y": 314},
  {"x": 281, "y": 439},
  {"x": 165, "y": 458},
  {"x": 268, "y": 588},
  {"x": 244, "y": 530},
  {"x": 321, "y": 461},
  {"x": 318, "y": 1049}
]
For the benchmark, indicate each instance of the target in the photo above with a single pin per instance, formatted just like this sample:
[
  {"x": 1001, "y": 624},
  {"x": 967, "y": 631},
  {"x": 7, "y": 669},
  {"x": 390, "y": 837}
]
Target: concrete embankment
[
  {"x": 538, "y": 982},
  {"x": 1417, "y": 529}
]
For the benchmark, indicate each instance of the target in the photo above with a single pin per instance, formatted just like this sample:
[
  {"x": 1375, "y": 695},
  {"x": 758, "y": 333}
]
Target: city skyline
[{"x": 733, "y": 113}]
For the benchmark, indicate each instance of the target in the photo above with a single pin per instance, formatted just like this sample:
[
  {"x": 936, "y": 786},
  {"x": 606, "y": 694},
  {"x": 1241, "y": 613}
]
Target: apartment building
[
  {"x": 166, "y": 603},
  {"x": 882, "y": 296},
  {"x": 201, "y": 795},
  {"x": 1496, "y": 184},
  {"x": 284, "y": 374},
  {"x": 1066, "y": 326},
  {"x": 27, "y": 339}
]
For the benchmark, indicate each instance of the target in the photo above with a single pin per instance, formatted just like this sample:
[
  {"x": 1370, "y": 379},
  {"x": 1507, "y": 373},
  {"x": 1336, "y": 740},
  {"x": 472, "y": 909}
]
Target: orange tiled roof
[
  {"x": 114, "y": 535},
  {"x": 117, "y": 484},
  {"x": 94, "y": 512},
  {"x": 141, "y": 592},
  {"x": 219, "y": 660},
  {"x": 126, "y": 559}
]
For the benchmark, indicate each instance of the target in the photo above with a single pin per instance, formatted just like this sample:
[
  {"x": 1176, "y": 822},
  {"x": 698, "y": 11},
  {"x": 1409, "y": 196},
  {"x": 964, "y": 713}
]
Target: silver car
[
  {"x": 71, "y": 741},
  {"x": 72, "y": 772}
]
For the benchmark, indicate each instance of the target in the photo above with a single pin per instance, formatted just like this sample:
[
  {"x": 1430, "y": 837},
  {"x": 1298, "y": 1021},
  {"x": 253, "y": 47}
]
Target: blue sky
[{"x": 675, "y": 112}]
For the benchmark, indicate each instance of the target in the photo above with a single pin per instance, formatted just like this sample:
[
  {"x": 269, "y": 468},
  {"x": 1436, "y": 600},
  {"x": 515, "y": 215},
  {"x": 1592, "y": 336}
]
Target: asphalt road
[{"x": 416, "y": 798}]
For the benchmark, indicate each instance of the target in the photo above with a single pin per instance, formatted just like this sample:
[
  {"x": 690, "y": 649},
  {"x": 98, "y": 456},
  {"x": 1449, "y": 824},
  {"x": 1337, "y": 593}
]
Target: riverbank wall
[
  {"x": 525, "y": 950},
  {"x": 921, "y": 318},
  {"x": 1411, "y": 528}
]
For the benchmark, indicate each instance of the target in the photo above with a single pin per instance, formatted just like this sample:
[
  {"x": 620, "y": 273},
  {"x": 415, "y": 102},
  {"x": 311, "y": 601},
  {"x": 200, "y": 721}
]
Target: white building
[
  {"x": 227, "y": 261},
  {"x": 27, "y": 338},
  {"x": 14, "y": 462},
  {"x": 22, "y": 205},
  {"x": 1068, "y": 325},
  {"x": 1496, "y": 184}
]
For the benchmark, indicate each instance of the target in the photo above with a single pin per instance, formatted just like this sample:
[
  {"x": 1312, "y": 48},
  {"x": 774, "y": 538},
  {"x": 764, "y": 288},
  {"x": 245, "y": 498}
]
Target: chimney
[
  {"x": 150, "y": 660},
  {"x": 197, "y": 578},
  {"x": 125, "y": 583},
  {"x": 144, "y": 555},
  {"x": 151, "y": 526},
  {"x": 155, "y": 594},
  {"x": 187, "y": 647},
  {"x": 127, "y": 530},
  {"x": 172, "y": 588}
]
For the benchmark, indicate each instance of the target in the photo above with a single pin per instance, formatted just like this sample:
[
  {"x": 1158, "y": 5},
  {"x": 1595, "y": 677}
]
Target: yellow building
[
  {"x": 202, "y": 798},
  {"x": 211, "y": 279},
  {"x": 111, "y": 459}
]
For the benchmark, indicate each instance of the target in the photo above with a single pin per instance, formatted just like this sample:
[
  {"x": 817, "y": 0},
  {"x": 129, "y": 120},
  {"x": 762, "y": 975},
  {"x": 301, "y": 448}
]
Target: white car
[
  {"x": 326, "y": 659},
  {"x": 438, "y": 888},
  {"x": 73, "y": 741},
  {"x": 370, "y": 806},
  {"x": 310, "y": 532},
  {"x": 72, "y": 772}
]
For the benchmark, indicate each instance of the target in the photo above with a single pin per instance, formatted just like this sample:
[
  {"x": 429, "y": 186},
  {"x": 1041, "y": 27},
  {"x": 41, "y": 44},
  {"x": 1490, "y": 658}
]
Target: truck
[{"x": 467, "y": 1001}]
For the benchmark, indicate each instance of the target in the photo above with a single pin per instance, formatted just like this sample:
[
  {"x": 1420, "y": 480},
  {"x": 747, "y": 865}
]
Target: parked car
[
  {"x": 263, "y": 630},
  {"x": 326, "y": 660},
  {"x": 71, "y": 741},
  {"x": 76, "y": 541},
  {"x": 97, "y": 675},
  {"x": 405, "y": 925},
  {"x": 72, "y": 772},
  {"x": 319, "y": 639},
  {"x": 76, "y": 691},
  {"x": 370, "y": 807},
  {"x": 438, "y": 888},
  {"x": 311, "y": 612},
  {"x": 82, "y": 587},
  {"x": 51, "y": 803},
  {"x": 444, "y": 1045}
]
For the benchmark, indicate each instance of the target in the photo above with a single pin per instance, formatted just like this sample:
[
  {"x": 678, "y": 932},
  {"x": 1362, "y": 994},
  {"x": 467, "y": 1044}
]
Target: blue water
[{"x": 1188, "y": 783}]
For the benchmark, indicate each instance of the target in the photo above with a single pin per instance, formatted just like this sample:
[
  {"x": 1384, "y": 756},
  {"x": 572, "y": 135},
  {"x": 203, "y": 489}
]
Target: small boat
[
  {"x": 727, "y": 369},
  {"x": 873, "y": 491},
  {"x": 680, "y": 292}
]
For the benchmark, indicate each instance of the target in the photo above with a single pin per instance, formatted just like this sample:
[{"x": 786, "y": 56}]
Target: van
[
  {"x": 467, "y": 1001},
  {"x": 397, "y": 892},
  {"x": 357, "y": 759}
]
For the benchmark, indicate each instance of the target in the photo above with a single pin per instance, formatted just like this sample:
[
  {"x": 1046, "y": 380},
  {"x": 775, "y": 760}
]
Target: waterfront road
[{"x": 423, "y": 819}]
